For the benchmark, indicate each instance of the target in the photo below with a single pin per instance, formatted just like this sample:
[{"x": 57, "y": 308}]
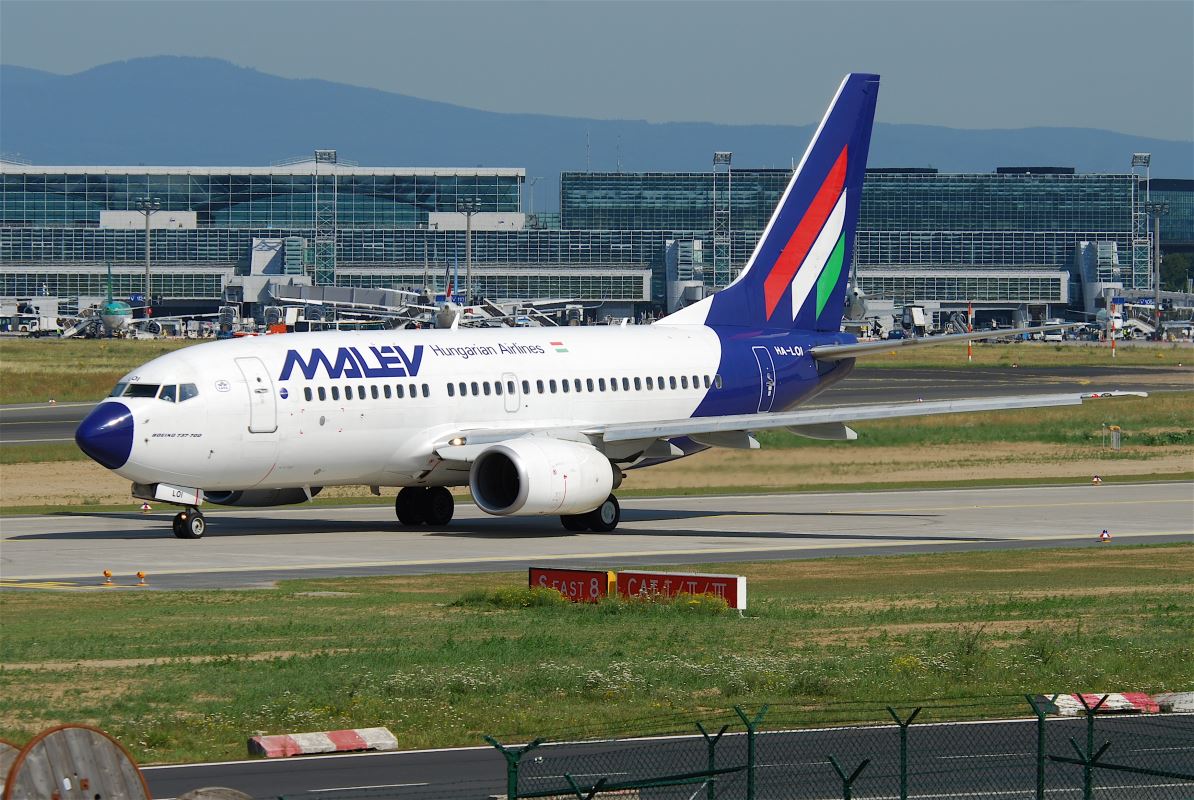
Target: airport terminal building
[{"x": 1015, "y": 238}]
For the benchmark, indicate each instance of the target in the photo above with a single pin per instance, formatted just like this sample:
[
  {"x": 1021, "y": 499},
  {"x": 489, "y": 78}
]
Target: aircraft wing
[
  {"x": 820, "y": 423},
  {"x": 838, "y": 414},
  {"x": 834, "y": 352}
]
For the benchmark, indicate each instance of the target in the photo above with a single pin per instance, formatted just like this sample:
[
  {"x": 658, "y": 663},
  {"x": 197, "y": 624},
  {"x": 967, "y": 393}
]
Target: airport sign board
[
  {"x": 731, "y": 588},
  {"x": 578, "y": 585}
]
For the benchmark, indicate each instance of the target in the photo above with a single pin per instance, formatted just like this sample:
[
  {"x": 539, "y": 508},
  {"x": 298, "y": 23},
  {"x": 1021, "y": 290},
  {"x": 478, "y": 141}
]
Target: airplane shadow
[{"x": 229, "y": 525}]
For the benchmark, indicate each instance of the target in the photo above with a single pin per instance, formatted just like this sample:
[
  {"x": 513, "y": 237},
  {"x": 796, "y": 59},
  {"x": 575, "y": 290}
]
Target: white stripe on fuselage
[{"x": 387, "y": 441}]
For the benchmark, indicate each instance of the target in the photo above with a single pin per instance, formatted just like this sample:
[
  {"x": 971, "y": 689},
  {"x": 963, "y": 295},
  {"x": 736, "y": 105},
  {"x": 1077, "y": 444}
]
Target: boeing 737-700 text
[{"x": 533, "y": 420}]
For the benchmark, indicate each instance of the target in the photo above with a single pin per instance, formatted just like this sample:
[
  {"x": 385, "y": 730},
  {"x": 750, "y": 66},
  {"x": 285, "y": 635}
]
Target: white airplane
[{"x": 536, "y": 421}]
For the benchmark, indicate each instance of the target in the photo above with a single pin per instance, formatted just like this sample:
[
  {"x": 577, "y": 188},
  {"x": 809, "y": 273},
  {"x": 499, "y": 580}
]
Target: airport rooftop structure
[{"x": 1012, "y": 237}]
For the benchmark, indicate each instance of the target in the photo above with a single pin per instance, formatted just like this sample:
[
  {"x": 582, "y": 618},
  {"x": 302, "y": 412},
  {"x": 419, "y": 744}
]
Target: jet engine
[
  {"x": 538, "y": 475},
  {"x": 259, "y": 498}
]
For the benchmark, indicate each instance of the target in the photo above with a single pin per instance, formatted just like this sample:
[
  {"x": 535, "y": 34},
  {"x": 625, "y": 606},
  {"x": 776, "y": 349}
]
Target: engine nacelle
[
  {"x": 538, "y": 475},
  {"x": 260, "y": 498}
]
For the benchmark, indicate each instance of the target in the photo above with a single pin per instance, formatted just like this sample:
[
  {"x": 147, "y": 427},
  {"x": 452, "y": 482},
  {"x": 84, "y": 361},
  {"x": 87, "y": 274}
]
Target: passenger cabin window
[
  {"x": 451, "y": 390},
  {"x": 706, "y": 381},
  {"x": 347, "y": 392},
  {"x": 717, "y": 381},
  {"x": 402, "y": 392},
  {"x": 360, "y": 392},
  {"x": 626, "y": 384},
  {"x": 565, "y": 385},
  {"x": 510, "y": 387},
  {"x": 323, "y": 395},
  {"x": 638, "y": 384},
  {"x": 307, "y": 393},
  {"x": 476, "y": 390},
  {"x": 188, "y": 390},
  {"x": 386, "y": 391},
  {"x": 169, "y": 394},
  {"x": 539, "y": 386},
  {"x": 485, "y": 387},
  {"x": 650, "y": 382},
  {"x": 142, "y": 390},
  {"x": 683, "y": 382},
  {"x": 526, "y": 387},
  {"x": 426, "y": 390},
  {"x": 118, "y": 390},
  {"x": 589, "y": 384},
  {"x": 373, "y": 390},
  {"x": 613, "y": 384},
  {"x": 576, "y": 384},
  {"x": 600, "y": 384},
  {"x": 551, "y": 383}
]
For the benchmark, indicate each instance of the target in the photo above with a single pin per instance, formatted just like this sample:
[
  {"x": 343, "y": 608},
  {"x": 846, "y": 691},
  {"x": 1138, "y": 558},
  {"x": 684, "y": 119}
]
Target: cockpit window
[
  {"x": 186, "y": 391},
  {"x": 119, "y": 390},
  {"x": 142, "y": 390},
  {"x": 169, "y": 394}
]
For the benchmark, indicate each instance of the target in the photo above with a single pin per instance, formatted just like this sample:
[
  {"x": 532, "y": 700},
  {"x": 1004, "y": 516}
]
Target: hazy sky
[{"x": 1121, "y": 66}]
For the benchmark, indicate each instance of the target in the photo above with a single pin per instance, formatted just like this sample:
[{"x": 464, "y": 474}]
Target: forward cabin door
[
  {"x": 766, "y": 378},
  {"x": 263, "y": 405}
]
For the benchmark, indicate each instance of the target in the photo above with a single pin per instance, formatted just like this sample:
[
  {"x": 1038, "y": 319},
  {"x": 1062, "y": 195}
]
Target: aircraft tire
[
  {"x": 177, "y": 524},
  {"x": 439, "y": 506},
  {"x": 190, "y": 524},
  {"x": 575, "y": 522},
  {"x": 605, "y": 517},
  {"x": 410, "y": 505}
]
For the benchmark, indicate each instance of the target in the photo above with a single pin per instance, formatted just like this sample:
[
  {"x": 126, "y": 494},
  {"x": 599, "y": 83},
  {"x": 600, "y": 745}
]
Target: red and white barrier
[
  {"x": 1070, "y": 705},
  {"x": 301, "y": 744},
  {"x": 1175, "y": 701}
]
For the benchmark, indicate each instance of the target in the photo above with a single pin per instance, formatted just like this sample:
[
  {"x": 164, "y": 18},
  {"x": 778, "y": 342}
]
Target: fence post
[
  {"x": 711, "y": 744},
  {"x": 1089, "y": 757},
  {"x": 751, "y": 723},
  {"x": 1040, "y": 743},
  {"x": 903, "y": 747},
  {"x": 848, "y": 783},
  {"x": 513, "y": 756}
]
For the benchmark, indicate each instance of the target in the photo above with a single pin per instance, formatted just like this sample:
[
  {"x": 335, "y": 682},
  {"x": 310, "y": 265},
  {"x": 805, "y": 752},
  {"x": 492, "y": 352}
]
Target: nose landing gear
[{"x": 189, "y": 524}]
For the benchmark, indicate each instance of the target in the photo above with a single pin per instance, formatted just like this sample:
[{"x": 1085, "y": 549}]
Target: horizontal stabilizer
[{"x": 834, "y": 352}]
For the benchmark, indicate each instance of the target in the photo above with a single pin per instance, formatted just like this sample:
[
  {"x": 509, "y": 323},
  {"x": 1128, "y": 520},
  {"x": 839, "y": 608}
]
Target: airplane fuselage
[{"x": 370, "y": 407}]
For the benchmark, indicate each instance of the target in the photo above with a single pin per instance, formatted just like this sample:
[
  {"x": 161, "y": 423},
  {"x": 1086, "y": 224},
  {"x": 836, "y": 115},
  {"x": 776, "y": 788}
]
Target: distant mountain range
[{"x": 200, "y": 111}]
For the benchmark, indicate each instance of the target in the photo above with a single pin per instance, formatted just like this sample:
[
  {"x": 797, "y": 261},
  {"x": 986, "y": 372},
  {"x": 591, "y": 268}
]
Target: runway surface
[
  {"x": 255, "y": 547},
  {"x": 42, "y": 424}
]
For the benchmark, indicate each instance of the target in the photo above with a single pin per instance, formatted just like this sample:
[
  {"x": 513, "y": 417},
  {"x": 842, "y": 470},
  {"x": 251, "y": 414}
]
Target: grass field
[
  {"x": 35, "y": 370},
  {"x": 189, "y": 675}
]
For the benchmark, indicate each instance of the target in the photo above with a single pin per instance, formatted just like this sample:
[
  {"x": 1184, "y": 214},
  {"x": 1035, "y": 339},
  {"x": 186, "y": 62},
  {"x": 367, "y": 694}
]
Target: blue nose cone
[{"x": 106, "y": 434}]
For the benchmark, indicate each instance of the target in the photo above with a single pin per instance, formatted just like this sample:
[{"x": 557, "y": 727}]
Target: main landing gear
[
  {"x": 189, "y": 524},
  {"x": 603, "y": 519},
  {"x": 416, "y": 505}
]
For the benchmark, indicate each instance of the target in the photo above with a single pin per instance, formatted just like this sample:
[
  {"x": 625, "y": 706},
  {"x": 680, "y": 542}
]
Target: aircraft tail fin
[{"x": 796, "y": 278}]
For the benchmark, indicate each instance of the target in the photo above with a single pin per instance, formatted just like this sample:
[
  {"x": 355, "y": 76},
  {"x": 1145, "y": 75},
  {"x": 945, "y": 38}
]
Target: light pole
[
  {"x": 148, "y": 205},
  {"x": 1157, "y": 210},
  {"x": 468, "y": 208},
  {"x": 531, "y": 189}
]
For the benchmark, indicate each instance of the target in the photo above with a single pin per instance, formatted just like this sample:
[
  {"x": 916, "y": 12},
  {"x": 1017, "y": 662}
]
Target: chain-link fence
[{"x": 773, "y": 754}]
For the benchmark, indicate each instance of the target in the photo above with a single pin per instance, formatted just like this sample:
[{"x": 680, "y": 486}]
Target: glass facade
[
  {"x": 909, "y": 217},
  {"x": 948, "y": 235},
  {"x": 1177, "y": 227},
  {"x": 253, "y": 197},
  {"x": 676, "y": 201}
]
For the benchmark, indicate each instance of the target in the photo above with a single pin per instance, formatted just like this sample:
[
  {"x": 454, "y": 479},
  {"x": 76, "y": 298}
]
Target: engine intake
[
  {"x": 537, "y": 475},
  {"x": 260, "y": 498}
]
